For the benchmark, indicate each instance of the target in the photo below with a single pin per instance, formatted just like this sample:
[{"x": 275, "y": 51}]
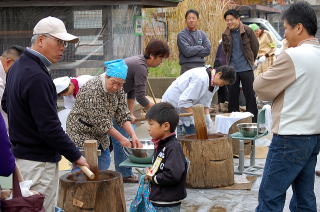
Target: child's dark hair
[
  {"x": 228, "y": 74},
  {"x": 233, "y": 12},
  {"x": 164, "y": 112},
  {"x": 192, "y": 11},
  {"x": 157, "y": 48}
]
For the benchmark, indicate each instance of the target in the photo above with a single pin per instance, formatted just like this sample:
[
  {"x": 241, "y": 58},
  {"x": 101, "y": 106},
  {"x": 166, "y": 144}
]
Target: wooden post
[
  {"x": 199, "y": 122},
  {"x": 90, "y": 151}
]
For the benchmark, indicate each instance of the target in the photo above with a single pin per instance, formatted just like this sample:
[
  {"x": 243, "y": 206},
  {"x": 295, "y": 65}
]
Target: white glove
[
  {"x": 209, "y": 123},
  {"x": 262, "y": 59}
]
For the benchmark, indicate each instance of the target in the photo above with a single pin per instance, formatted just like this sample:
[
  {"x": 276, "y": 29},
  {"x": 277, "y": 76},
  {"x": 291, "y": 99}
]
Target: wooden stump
[
  {"x": 102, "y": 195},
  {"x": 211, "y": 161}
]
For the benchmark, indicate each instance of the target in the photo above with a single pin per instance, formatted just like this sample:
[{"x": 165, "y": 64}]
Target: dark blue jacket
[{"x": 30, "y": 100}]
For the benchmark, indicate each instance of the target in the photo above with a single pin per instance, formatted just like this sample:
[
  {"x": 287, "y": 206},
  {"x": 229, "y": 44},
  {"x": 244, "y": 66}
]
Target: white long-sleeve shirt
[{"x": 189, "y": 89}]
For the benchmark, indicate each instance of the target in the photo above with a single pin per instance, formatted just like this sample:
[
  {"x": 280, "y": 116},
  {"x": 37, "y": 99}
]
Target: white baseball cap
[
  {"x": 55, "y": 27},
  {"x": 61, "y": 83}
]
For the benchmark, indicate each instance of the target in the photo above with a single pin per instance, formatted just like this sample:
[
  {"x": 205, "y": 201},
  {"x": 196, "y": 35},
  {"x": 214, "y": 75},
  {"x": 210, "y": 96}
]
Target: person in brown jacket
[{"x": 241, "y": 46}]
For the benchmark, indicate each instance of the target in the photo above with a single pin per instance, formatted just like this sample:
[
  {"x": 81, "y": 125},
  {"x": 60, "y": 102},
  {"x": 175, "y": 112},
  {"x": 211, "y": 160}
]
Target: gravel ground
[{"x": 203, "y": 200}]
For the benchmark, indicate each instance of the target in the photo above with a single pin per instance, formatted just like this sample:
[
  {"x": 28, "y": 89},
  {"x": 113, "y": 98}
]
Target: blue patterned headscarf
[{"x": 116, "y": 68}]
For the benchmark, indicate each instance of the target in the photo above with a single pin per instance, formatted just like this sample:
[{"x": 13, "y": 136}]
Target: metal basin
[
  {"x": 248, "y": 129},
  {"x": 140, "y": 155}
]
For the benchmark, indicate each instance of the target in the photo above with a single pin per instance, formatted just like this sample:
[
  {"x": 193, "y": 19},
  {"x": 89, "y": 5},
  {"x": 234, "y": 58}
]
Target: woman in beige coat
[{"x": 267, "y": 48}]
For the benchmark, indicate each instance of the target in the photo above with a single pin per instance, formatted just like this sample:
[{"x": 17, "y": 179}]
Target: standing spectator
[
  {"x": 7, "y": 58},
  {"x": 7, "y": 161},
  {"x": 267, "y": 48},
  {"x": 193, "y": 44},
  {"x": 241, "y": 48},
  {"x": 135, "y": 87},
  {"x": 220, "y": 60},
  {"x": 291, "y": 84},
  {"x": 30, "y": 101}
]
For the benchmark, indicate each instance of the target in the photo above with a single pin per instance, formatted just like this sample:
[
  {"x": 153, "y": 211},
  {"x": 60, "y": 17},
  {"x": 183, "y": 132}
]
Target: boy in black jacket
[{"x": 169, "y": 169}]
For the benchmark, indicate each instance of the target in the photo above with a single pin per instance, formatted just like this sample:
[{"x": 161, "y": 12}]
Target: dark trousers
[
  {"x": 223, "y": 94},
  {"x": 246, "y": 78}
]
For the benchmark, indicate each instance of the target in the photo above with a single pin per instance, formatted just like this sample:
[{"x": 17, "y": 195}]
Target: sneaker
[{"x": 131, "y": 179}]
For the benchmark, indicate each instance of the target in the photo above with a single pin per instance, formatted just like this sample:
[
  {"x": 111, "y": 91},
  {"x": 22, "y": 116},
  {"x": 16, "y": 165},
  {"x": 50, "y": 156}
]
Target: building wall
[
  {"x": 105, "y": 32},
  {"x": 313, "y": 2}
]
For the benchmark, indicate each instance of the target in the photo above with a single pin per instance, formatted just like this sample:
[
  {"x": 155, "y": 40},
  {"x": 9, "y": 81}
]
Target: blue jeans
[
  {"x": 168, "y": 209},
  {"x": 291, "y": 161},
  {"x": 104, "y": 159},
  {"x": 119, "y": 155},
  {"x": 183, "y": 130}
]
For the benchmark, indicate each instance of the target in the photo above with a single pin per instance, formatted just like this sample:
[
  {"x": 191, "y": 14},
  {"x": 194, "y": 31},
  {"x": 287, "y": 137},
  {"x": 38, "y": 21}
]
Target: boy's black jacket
[{"x": 172, "y": 173}]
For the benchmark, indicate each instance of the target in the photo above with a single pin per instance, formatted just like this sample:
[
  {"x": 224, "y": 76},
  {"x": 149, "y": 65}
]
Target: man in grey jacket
[{"x": 193, "y": 44}]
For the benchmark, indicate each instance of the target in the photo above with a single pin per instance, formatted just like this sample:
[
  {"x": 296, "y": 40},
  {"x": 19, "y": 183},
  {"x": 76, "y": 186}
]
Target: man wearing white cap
[{"x": 30, "y": 101}]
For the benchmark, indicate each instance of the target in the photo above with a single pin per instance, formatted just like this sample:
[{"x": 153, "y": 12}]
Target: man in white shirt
[
  {"x": 7, "y": 58},
  {"x": 196, "y": 86}
]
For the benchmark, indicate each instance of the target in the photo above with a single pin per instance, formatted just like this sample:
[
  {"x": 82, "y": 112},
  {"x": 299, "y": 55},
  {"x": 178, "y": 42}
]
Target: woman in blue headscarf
[{"x": 99, "y": 102}]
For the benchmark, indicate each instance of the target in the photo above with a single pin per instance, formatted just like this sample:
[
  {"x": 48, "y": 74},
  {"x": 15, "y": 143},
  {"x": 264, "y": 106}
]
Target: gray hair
[{"x": 34, "y": 38}]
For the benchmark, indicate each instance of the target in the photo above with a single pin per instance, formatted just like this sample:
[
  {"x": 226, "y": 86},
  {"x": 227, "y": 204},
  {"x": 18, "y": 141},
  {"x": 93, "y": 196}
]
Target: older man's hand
[{"x": 82, "y": 162}]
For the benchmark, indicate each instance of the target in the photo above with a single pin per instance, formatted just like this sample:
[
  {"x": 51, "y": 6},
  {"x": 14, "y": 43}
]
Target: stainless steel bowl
[
  {"x": 248, "y": 129},
  {"x": 140, "y": 155},
  {"x": 262, "y": 130}
]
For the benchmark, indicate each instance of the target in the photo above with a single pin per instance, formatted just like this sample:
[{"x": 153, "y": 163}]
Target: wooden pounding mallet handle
[{"x": 87, "y": 172}]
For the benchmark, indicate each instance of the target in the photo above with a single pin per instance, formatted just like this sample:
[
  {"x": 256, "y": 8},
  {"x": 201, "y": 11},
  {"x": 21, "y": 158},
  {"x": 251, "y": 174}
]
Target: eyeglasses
[{"x": 60, "y": 42}]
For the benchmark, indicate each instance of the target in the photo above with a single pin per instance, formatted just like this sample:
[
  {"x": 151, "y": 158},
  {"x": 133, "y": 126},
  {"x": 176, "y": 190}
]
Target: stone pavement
[{"x": 203, "y": 200}]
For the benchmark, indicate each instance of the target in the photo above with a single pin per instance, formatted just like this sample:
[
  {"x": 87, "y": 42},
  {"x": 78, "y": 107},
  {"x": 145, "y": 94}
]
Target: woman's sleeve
[{"x": 122, "y": 113}]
